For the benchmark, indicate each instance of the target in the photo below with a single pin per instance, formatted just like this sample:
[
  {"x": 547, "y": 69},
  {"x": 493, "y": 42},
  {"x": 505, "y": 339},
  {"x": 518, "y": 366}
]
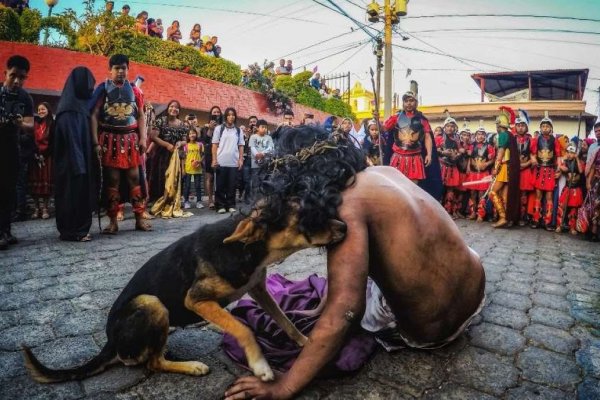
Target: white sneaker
[
  {"x": 221, "y": 211},
  {"x": 186, "y": 205},
  {"x": 232, "y": 210},
  {"x": 199, "y": 205}
]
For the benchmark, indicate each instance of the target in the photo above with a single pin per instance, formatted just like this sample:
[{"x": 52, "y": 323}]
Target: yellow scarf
[{"x": 169, "y": 205}]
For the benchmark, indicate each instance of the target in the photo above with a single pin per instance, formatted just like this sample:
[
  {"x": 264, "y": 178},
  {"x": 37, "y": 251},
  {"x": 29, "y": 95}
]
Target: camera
[
  {"x": 10, "y": 107},
  {"x": 214, "y": 117}
]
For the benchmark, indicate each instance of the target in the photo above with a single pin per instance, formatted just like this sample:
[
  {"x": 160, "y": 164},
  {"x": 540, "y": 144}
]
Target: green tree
[
  {"x": 10, "y": 28},
  {"x": 31, "y": 25}
]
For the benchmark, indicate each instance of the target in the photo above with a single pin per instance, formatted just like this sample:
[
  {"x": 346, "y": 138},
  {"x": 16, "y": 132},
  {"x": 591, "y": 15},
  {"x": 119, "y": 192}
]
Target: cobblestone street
[{"x": 537, "y": 338}]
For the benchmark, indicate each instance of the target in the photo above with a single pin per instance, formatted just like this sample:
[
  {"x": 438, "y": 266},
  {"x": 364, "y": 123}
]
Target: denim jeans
[{"x": 187, "y": 186}]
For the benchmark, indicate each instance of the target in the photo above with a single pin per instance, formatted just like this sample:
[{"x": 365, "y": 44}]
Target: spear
[{"x": 376, "y": 95}]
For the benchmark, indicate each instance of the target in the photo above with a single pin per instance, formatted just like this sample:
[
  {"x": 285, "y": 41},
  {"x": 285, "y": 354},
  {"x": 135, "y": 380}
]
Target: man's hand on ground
[{"x": 251, "y": 387}]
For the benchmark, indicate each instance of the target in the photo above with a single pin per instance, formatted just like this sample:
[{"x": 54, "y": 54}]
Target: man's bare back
[
  {"x": 396, "y": 234},
  {"x": 430, "y": 278}
]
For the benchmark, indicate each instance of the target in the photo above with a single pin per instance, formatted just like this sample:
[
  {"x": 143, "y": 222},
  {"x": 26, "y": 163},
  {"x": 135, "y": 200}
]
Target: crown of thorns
[{"x": 318, "y": 147}]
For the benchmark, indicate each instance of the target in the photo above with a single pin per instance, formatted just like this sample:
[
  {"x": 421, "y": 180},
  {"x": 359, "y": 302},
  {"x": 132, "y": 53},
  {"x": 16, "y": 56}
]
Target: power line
[
  {"x": 329, "y": 49},
  {"x": 507, "y": 30},
  {"x": 503, "y": 15},
  {"x": 345, "y": 14},
  {"x": 347, "y": 59},
  {"x": 225, "y": 10},
  {"x": 521, "y": 38},
  {"x": 331, "y": 55},
  {"x": 314, "y": 44},
  {"x": 445, "y": 55},
  {"x": 438, "y": 49},
  {"x": 357, "y": 5}
]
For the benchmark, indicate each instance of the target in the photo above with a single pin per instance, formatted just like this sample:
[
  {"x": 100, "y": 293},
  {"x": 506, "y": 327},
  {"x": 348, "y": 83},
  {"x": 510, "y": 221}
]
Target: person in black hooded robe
[{"x": 74, "y": 162}]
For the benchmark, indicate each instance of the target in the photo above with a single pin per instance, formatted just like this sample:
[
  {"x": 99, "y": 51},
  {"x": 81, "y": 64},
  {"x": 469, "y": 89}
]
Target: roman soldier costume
[
  {"x": 481, "y": 154},
  {"x": 119, "y": 106},
  {"x": 117, "y": 132},
  {"x": 408, "y": 135},
  {"x": 448, "y": 145},
  {"x": 547, "y": 151},
  {"x": 505, "y": 191},
  {"x": 449, "y": 149},
  {"x": 526, "y": 176},
  {"x": 571, "y": 197}
]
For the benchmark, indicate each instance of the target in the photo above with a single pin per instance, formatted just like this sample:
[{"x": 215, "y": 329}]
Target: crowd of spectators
[
  {"x": 154, "y": 27},
  {"x": 17, "y": 5}
]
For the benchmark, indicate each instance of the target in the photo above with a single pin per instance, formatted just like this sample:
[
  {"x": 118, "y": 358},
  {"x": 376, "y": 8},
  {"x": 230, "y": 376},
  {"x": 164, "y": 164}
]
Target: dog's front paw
[
  {"x": 262, "y": 370},
  {"x": 197, "y": 368}
]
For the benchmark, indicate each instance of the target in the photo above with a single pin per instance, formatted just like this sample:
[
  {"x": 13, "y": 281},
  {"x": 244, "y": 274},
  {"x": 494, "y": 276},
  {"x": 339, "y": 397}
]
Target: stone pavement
[{"x": 537, "y": 338}]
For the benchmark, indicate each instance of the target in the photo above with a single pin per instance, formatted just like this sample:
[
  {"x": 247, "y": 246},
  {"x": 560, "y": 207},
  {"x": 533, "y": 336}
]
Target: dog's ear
[{"x": 246, "y": 232}]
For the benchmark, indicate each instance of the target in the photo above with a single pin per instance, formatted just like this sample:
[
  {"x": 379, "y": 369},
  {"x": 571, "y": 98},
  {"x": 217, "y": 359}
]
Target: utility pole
[
  {"x": 391, "y": 16},
  {"x": 379, "y": 55},
  {"x": 387, "y": 77}
]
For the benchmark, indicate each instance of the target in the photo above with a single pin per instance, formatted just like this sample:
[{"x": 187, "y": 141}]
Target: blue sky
[{"x": 492, "y": 44}]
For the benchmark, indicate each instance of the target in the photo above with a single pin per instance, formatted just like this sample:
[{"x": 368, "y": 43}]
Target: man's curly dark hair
[{"x": 309, "y": 170}]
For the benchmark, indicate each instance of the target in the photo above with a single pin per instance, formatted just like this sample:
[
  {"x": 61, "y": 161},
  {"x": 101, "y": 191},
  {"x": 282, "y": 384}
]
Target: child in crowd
[
  {"x": 261, "y": 145},
  {"x": 194, "y": 152},
  {"x": 571, "y": 197}
]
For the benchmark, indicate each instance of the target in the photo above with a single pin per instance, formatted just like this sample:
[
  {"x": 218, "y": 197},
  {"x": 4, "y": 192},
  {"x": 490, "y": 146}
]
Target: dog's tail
[{"x": 43, "y": 374}]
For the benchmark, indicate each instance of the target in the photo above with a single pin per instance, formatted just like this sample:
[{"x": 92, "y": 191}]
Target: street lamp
[{"x": 50, "y": 4}]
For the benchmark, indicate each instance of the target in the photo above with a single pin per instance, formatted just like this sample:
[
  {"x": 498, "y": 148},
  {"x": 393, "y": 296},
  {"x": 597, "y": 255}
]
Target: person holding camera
[
  {"x": 16, "y": 116},
  {"x": 206, "y": 134},
  {"x": 244, "y": 176}
]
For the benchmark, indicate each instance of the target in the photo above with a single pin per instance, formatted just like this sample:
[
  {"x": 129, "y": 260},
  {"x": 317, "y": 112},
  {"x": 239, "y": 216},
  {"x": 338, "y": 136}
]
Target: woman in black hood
[{"x": 74, "y": 162}]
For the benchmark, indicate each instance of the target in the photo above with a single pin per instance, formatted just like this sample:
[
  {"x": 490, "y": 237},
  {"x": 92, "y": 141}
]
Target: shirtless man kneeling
[{"x": 427, "y": 284}]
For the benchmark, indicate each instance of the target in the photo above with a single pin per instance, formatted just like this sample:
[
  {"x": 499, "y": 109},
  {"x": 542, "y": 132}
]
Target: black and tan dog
[{"x": 191, "y": 280}]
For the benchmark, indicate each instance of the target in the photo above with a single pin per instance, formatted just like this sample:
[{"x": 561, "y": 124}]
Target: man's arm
[
  {"x": 240, "y": 156},
  {"x": 428, "y": 147},
  {"x": 94, "y": 129},
  {"x": 347, "y": 271},
  {"x": 141, "y": 120}
]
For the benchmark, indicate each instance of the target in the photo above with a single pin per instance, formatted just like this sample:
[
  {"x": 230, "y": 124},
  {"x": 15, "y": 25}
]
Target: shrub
[
  {"x": 10, "y": 28},
  {"x": 339, "y": 108},
  {"x": 310, "y": 97},
  {"x": 171, "y": 55},
  {"x": 292, "y": 85}
]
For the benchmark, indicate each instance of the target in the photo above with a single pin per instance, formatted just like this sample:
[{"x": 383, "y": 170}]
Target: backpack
[{"x": 237, "y": 129}]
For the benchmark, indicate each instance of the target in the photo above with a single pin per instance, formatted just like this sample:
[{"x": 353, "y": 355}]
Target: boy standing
[
  {"x": 118, "y": 125},
  {"x": 261, "y": 145}
]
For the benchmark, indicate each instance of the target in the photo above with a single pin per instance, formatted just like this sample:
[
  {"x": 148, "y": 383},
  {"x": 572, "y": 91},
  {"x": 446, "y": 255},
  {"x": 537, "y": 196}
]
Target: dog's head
[{"x": 288, "y": 239}]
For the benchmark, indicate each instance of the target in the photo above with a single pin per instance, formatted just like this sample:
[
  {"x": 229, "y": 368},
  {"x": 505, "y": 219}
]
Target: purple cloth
[{"x": 302, "y": 302}]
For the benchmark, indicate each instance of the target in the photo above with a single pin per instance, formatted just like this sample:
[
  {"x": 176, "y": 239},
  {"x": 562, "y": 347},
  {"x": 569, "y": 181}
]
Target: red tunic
[
  {"x": 120, "y": 150},
  {"x": 409, "y": 162},
  {"x": 450, "y": 173},
  {"x": 544, "y": 176},
  {"x": 474, "y": 174},
  {"x": 526, "y": 179}
]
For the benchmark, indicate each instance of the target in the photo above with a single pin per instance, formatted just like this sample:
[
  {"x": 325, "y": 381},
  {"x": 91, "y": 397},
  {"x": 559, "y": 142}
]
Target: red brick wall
[{"x": 50, "y": 68}]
